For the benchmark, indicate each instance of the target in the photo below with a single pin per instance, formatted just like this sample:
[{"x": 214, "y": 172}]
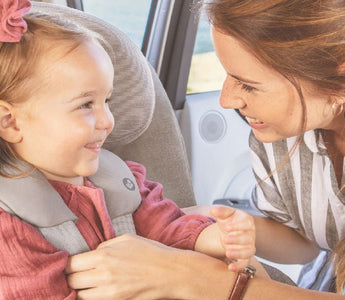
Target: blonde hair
[
  {"x": 301, "y": 39},
  {"x": 19, "y": 62}
]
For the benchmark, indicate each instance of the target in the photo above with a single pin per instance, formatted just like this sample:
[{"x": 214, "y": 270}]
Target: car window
[
  {"x": 206, "y": 73},
  {"x": 129, "y": 16}
]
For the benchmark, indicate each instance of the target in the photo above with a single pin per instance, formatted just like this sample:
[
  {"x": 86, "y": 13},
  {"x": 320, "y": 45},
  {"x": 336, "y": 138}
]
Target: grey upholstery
[{"x": 146, "y": 130}]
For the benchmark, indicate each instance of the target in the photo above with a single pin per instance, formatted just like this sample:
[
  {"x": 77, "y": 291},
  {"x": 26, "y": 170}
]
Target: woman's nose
[{"x": 229, "y": 97}]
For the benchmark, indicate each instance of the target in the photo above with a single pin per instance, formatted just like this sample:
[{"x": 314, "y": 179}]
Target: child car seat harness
[{"x": 34, "y": 200}]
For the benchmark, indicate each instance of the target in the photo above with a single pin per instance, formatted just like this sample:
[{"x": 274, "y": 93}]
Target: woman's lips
[
  {"x": 252, "y": 120},
  {"x": 255, "y": 123}
]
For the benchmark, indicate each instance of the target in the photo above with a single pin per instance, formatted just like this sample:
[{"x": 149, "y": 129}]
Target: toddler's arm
[{"x": 232, "y": 237}]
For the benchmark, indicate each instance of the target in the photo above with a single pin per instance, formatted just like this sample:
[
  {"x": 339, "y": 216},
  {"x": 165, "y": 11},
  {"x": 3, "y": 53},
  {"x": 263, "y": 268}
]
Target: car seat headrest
[{"x": 133, "y": 98}]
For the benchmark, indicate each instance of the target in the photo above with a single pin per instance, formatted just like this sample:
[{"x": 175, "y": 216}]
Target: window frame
[
  {"x": 168, "y": 43},
  {"x": 77, "y": 4},
  {"x": 175, "y": 50}
]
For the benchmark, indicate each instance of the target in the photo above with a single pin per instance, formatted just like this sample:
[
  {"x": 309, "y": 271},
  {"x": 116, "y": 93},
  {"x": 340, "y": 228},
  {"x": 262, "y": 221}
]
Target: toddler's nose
[{"x": 105, "y": 119}]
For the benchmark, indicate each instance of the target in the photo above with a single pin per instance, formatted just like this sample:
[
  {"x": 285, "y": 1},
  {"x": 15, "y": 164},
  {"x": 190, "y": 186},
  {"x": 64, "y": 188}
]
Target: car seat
[{"x": 146, "y": 129}]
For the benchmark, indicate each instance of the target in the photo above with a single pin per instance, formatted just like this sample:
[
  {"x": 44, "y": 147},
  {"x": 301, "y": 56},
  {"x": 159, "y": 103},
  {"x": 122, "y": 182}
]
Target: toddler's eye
[{"x": 86, "y": 105}]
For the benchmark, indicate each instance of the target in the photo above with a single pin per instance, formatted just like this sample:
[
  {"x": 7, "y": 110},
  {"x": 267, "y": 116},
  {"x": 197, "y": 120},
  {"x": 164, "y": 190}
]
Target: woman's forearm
[
  {"x": 263, "y": 289},
  {"x": 130, "y": 267},
  {"x": 197, "y": 276},
  {"x": 279, "y": 243},
  {"x": 202, "y": 277}
]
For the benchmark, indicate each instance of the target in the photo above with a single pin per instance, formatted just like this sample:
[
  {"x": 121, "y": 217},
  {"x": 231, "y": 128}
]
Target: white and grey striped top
[{"x": 301, "y": 192}]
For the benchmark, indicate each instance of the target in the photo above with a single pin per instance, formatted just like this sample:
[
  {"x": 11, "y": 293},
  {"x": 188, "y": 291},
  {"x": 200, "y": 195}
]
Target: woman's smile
[{"x": 255, "y": 123}]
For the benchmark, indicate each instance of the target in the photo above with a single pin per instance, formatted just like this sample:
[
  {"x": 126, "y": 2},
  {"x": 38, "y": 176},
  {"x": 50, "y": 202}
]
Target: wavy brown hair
[{"x": 301, "y": 39}]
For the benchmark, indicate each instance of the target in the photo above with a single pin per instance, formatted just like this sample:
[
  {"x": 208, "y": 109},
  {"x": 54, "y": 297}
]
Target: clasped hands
[
  {"x": 132, "y": 267},
  {"x": 237, "y": 230}
]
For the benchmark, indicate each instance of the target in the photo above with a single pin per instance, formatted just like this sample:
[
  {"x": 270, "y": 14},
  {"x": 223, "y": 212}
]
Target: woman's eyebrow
[{"x": 244, "y": 79}]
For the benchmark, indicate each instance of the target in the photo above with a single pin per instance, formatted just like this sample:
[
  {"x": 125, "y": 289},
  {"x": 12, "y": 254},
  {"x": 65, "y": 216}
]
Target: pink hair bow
[{"x": 12, "y": 24}]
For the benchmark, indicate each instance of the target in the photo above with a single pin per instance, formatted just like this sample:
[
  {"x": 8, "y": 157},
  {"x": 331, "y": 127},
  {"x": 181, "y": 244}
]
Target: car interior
[{"x": 196, "y": 149}]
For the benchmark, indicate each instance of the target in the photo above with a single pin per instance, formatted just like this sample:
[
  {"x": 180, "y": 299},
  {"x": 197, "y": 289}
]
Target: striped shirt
[{"x": 298, "y": 187}]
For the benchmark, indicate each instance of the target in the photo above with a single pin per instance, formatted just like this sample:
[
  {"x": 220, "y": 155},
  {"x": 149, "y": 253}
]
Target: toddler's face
[{"x": 64, "y": 124}]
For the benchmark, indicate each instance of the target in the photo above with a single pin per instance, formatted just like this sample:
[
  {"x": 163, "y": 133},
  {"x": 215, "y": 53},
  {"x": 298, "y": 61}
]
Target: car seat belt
[{"x": 33, "y": 199}]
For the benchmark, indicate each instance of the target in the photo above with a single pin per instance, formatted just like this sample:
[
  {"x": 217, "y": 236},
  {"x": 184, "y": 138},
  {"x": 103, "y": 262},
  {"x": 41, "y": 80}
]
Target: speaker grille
[{"x": 212, "y": 126}]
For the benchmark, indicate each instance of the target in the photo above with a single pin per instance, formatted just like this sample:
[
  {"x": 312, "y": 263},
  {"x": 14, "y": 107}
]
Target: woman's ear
[
  {"x": 8, "y": 127},
  {"x": 338, "y": 99}
]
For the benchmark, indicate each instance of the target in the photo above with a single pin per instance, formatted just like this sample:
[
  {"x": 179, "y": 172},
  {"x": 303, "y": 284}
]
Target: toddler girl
[{"x": 61, "y": 194}]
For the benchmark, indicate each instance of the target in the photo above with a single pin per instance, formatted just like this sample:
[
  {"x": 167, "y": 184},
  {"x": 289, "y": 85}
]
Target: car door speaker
[{"x": 212, "y": 126}]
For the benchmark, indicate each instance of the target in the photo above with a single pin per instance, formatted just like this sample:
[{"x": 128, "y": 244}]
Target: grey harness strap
[
  {"x": 34, "y": 200},
  {"x": 120, "y": 189}
]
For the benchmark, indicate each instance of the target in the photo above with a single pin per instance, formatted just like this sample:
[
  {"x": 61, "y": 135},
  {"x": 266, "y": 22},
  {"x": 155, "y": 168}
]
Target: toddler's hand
[{"x": 237, "y": 230}]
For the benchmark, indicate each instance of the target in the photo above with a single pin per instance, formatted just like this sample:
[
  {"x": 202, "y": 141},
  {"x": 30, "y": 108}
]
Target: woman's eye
[{"x": 247, "y": 88}]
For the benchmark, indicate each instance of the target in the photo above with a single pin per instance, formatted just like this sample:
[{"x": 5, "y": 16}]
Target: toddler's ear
[{"x": 8, "y": 128}]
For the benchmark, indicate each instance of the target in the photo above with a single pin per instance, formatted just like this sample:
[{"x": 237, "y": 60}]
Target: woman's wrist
[{"x": 200, "y": 277}]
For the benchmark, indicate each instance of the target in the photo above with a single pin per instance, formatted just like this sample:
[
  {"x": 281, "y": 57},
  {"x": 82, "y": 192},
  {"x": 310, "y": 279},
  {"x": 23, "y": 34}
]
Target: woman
[
  {"x": 285, "y": 73},
  {"x": 285, "y": 64}
]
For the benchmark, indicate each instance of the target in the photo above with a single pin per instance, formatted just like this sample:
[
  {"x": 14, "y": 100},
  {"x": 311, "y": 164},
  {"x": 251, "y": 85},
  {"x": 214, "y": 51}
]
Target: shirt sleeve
[
  {"x": 30, "y": 267},
  {"x": 160, "y": 219}
]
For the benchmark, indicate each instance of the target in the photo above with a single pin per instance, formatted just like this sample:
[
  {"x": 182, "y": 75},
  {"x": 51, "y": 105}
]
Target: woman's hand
[
  {"x": 132, "y": 267},
  {"x": 126, "y": 267}
]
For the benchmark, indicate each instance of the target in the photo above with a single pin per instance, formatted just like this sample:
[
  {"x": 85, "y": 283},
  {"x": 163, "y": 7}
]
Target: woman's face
[{"x": 268, "y": 101}]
